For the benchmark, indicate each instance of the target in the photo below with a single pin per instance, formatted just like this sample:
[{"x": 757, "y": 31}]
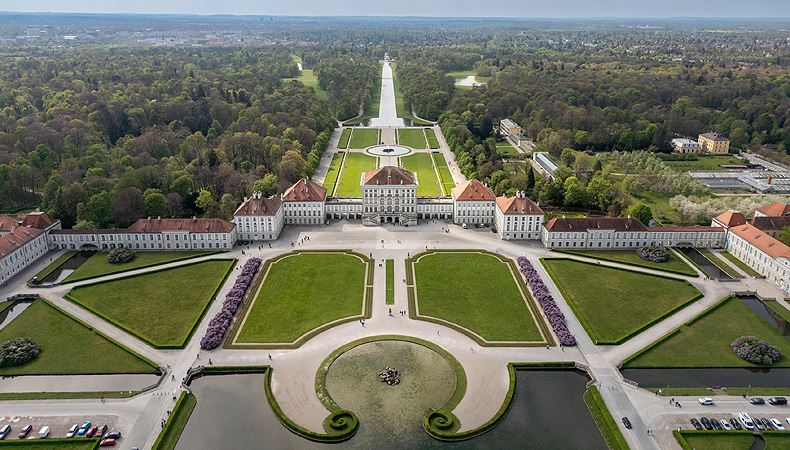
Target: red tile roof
[
  {"x": 190, "y": 225},
  {"x": 38, "y": 219},
  {"x": 597, "y": 223},
  {"x": 775, "y": 209},
  {"x": 259, "y": 207},
  {"x": 305, "y": 190},
  {"x": 730, "y": 219},
  {"x": 769, "y": 223},
  {"x": 517, "y": 205},
  {"x": 694, "y": 228},
  {"x": 473, "y": 190},
  {"x": 17, "y": 238},
  {"x": 6, "y": 223},
  {"x": 389, "y": 175},
  {"x": 762, "y": 241}
]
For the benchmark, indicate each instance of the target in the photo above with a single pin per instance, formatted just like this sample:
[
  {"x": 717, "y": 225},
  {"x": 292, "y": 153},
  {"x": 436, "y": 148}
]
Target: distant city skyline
[{"x": 439, "y": 8}]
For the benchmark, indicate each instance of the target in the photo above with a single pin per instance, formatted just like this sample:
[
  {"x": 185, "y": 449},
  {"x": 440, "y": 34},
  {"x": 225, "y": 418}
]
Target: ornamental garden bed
[
  {"x": 426, "y": 176},
  {"x": 162, "y": 307},
  {"x": 61, "y": 335},
  {"x": 615, "y": 304}
]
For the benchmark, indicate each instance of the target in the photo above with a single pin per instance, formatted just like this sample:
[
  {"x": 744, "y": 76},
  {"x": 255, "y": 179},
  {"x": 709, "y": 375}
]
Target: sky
[{"x": 443, "y": 8}]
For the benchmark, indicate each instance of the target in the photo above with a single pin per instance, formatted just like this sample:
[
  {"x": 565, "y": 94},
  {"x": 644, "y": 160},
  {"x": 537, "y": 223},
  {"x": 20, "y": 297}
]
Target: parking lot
[{"x": 58, "y": 425}]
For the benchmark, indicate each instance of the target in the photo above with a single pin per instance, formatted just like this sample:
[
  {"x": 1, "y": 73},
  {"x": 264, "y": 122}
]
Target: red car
[
  {"x": 25, "y": 431},
  {"x": 91, "y": 431},
  {"x": 109, "y": 442},
  {"x": 101, "y": 430}
]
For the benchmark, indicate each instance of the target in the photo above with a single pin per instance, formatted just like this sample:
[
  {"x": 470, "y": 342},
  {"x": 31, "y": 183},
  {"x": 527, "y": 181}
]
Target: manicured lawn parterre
[
  {"x": 355, "y": 164},
  {"x": 97, "y": 265},
  {"x": 364, "y": 137},
  {"x": 51, "y": 267},
  {"x": 477, "y": 291},
  {"x": 445, "y": 177},
  {"x": 333, "y": 172},
  {"x": 711, "y": 440},
  {"x": 701, "y": 163},
  {"x": 301, "y": 292},
  {"x": 740, "y": 264},
  {"x": 161, "y": 307},
  {"x": 390, "y": 282},
  {"x": 62, "y": 337},
  {"x": 506, "y": 149},
  {"x": 412, "y": 137},
  {"x": 344, "y": 137},
  {"x": 50, "y": 444},
  {"x": 717, "y": 327},
  {"x": 614, "y": 304},
  {"x": 673, "y": 264},
  {"x": 426, "y": 176},
  {"x": 433, "y": 141}
]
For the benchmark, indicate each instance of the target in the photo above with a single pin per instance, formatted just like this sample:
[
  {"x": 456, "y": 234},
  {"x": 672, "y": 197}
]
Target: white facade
[
  {"x": 31, "y": 244},
  {"x": 762, "y": 253},
  {"x": 302, "y": 213},
  {"x": 517, "y": 218},
  {"x": 430, "y": 208},
  {"x": 473, "y": 211},
  {"x": 389, "y": 203},
  {"x": 259, "y": 218},
  {"x": 161, "y": 240}
]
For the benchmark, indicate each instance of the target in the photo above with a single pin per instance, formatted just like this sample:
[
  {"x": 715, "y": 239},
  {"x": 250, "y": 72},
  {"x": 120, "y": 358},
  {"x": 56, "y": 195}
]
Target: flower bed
[
  {"x": 120, "y": 255},
  {"x": 756, "y": 350},
  {"x": 17, "y": 351},
  {"x": 653, "y": 253},
  {"x": 219, "y": 325},
  {"x": 546, "y": 301}
]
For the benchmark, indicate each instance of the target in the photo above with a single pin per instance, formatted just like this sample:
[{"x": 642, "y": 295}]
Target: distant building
[
  {"x": 547, "y": 166},
  {"x": 259, "y": 218},
  {"x": 775, "y": 209},
  {"x": 304, "y": 203},
  {"x": 509, "y": 129},
  {"x": 517, "y": 217},
  {"x": 761, "y": 252},
  {"x": 389, "y": 195},
  {"x": 714, "y": 143},
  {"x": 772, "y": 226},
  {"x": 473, "y": 202},
  {"x": 682, "y": 145}
]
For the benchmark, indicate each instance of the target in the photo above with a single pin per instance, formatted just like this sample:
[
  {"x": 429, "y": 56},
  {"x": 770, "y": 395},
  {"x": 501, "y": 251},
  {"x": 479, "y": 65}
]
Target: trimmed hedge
[
  {"x": 613, "y": 260},
  {"x": 184, "y": 406},
  {"x": 606, "y": 423},
  {"x": 146, "y": 266},
  {"x": 55, "y": 443},
  {"x": 51, "y": 268}
]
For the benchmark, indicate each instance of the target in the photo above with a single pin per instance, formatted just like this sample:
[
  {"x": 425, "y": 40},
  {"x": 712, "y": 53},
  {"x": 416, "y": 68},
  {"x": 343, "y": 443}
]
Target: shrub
[
  {"x": 653, "y": 253},
  {"x": 120, "y": 255},
  {"x": 546, "y": 301},
  {"x": 17, "y": 351},
  {"x": 219, "y": 325},
  {"x": 756, "y": 350}
]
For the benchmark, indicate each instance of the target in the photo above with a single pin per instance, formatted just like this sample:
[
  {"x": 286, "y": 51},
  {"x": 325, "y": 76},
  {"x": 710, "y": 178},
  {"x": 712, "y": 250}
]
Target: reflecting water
[
  {"x": 471, "y": 80},
  {"x": 705, "y": 263},
  {"x": 10, "y": 313},
  {"x": 388, "y": 114},
  {"x": 768, "y": 314},
  {"x": 234, "y": 408},
  {"x": 65, "y": 269},
  {"x": 710, "y": 377}
]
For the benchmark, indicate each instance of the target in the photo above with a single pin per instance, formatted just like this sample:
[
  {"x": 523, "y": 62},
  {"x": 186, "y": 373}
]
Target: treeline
[
  {"x": 347, "y": 76},
  {"x": 104, "y": 136}
]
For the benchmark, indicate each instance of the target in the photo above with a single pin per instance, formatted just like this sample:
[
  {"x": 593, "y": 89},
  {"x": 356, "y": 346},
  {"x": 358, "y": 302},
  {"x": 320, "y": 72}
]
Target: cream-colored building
[
  {"x": 304, "y": 203},
  {"x": 389, "y": 195},
  {"x": 517, "y": 217},
  {"x": 508, "y": 128},
  {"x": 259, "y": 218},
  {"x": 20, "y": 247},
  {"x": 473, "y": 202},
  {"x": 714, "y": 143},
  {"x": 682, "y": 145}
]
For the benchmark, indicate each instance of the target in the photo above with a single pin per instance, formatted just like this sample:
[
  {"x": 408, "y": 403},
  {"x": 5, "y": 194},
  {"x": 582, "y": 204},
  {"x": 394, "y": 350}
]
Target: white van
[
  {"x": 4, "y": 431},
  {"x": 747, "y": 421},
  {"x": 43, "y": 432}
]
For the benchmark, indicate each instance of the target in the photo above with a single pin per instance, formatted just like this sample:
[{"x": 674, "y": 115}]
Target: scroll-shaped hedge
[{"x": 343, "y": 421}]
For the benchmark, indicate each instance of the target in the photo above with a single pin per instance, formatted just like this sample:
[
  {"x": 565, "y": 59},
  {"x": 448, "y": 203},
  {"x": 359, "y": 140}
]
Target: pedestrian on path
[
  {"x": 270, "y": 356},
  {"x": 437, "y": 333}
]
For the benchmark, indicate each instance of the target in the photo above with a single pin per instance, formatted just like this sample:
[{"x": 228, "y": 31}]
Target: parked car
[
  {"x": 487, "y": 225},
  {"x": 757, "y": 401},
  {"x": 493, "y": 230},
  {"x": 706, "y": 423},
  {"x": 4, "y": 431},
  {"x": 72, "y": 431},
  {"x": 627, "y": 423},
  {"x": 84, "y": 427},
  {"x": 477, "y": 225},
  {"x": 43, "y": 432},
  {"x": 705, "y": 401},
  {"x": 767, "y": 423},
  {"x": 725, "y": 425},
  {"x": 463, "y": 225},
  {"x": 777, "y": 401},
  {"x": 100, "y": 431},
  {"x": 747, "y": 421},
  {"x": 91, "y": 431},
  {"x": 759, "y": 425},
  {"x": 777, "y": 424},
  {"x": 109, "y": 442},
  {"x": 716, "y": 424},
  {"x": 23, "y": 433},
  {"x": 736, "y": 424},
  {"x": 113, "y": 434},
  {"x": 788, "y": 420},
  {"x": 696, "y": 423}
]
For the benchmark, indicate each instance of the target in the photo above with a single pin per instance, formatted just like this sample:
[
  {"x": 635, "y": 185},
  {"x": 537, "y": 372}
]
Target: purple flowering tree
[
  {"x": 546, "y": 301},
  {"x": 756, "y": 350},
  {"x": 219, "y": 325},
  {"x": 17, "y": 351},
  {"x": 653, "y": 253}
]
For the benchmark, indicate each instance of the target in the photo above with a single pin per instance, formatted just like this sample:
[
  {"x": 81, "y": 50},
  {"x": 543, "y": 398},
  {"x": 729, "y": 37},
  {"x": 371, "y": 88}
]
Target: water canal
[{"x": 388, "y": 113}]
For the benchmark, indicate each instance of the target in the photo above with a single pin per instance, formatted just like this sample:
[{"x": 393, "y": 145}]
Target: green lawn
[
  {"x": 426, "y": 176},
  {"x": 344, "y": 137},
  {"x": 490, "y": 304},
  {"x": 779, "y": 308},
  {"x": 412, "y": 137},
  {"x": 375, "y": 100},
  {"x": 390, "y": 282},
  {"x": 97, "y": 265},
  {"x": 506, "y": 150},
  {"x": 333, "y": 172},
  {"x": 356, "y": 163},
  {"x": 703, "y": 163},
  {"x": 62, "y": 338},
  {"x": 712, "y": 440},
  {"x": 50, "y": 444},
  {"x": 603, "y": 418},
  {"x": 309, "y": 79},
  {"x": 445, "y": 177},
  {"x": 718, "y": 262},
  {"x": 303, "y": 292},
  {"x": 674, "y": 264},
  {"x": 716, "y": 328},
  {"x": 400, "y": 105},
  {"x": 740, "y": 264},
  {"x": 659, "y": 204},
  {"x": 621, "y": 303},
  {"x": 364, "y": 137},
  {"x": 777, "y": 440},
  {"x": 52, "y": 266},
  {"x": 433, "y": 141},
  {"x": 168, "y": 438},
  {"x": 161, "y": 307}
]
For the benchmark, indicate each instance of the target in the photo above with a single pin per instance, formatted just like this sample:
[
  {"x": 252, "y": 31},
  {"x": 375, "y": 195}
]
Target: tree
[
  {"x": 227, "y": 206},
  {"x": 174, "y": 205},
  {"x": 127, "y": 207},
  {"x": 784, "y": 237},
  {"x": 575, "y": 193},
  {"x": 155, "y": 204},
  {"x": 100, "y": 208},
  {"x": 204, "y": 200},
  {"x": 182, "y": 185},
  {"x": 641, "y": 212},
  {"x": 266, "y": 185},
  {"x": 84, "y": 225},
  {"x": 291, "y": 168},
  {"x": 568, "y": 157}
]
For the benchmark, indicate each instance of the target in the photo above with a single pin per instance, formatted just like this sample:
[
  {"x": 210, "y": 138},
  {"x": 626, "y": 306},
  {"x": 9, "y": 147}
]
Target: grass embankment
[
  {"x": 445, "y": 177},
  {"x": 476, "y": 291},
  {"x": 51, "y": 267},
  {"x": 603, "y": 418},
  {"x": 364, "y": 137},
  {"x": 302, "y": 292},
  {"x": 375, "y": 101},
  {"x": 168, "y": 438},
  {"x": 345, "y": 135},
  {"x": 716, "y": 327},
  {"x": 718, "y": 262},
  {"x": 98, "y": 266},
  {"x": 62, "y": 338},
  {"x": 433, "y": 141},
  {"x": 714, "y": 440},
  {"x": 51, "y": 444},
  {"x": 355, "y": 164},
  {"x": 614, "y": 304},
  {"x": 412, "y": 137},
  {"x": 390, "y": 282},
  {"x": 426, "y": 176},
  {"x": 673, "y": 264},
  {"x": 161, "y": 307},
  {"x": 740, "y": 264},
  {"x": 65, "y": 395},
  {"x": 333, "y": 172},
  {"x": 400, "y": 105}
]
